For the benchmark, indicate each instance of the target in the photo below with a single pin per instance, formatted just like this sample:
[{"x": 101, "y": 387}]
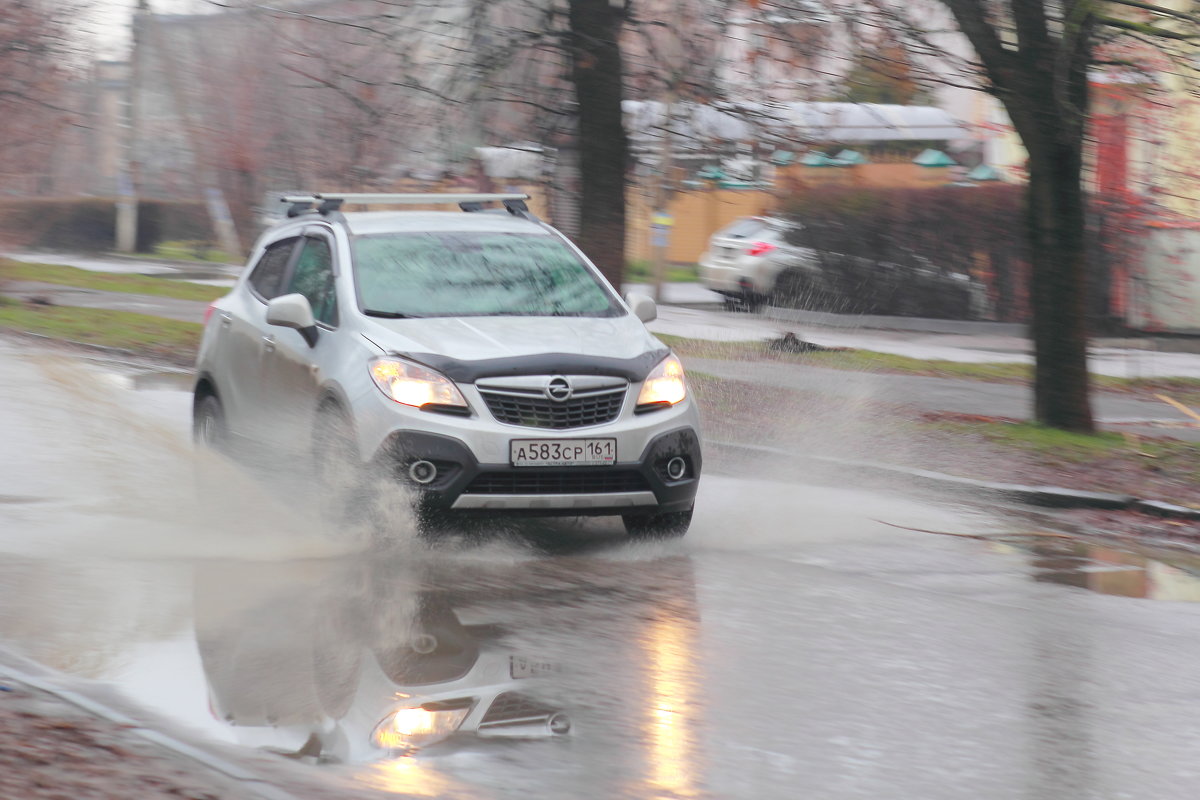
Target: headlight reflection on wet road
[{"x": 670, "y": 649}]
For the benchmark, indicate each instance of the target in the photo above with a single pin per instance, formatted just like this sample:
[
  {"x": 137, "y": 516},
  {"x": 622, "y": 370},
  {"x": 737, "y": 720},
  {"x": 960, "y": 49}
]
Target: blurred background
[{"x": 172, "y": 127}]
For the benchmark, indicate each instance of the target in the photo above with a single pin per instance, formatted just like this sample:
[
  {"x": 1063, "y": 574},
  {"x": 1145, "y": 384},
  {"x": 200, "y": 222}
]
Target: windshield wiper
[{"x": 371, "y": 312}]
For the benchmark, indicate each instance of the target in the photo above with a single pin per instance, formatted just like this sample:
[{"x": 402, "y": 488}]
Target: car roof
[{"x": 367, "y": 223}]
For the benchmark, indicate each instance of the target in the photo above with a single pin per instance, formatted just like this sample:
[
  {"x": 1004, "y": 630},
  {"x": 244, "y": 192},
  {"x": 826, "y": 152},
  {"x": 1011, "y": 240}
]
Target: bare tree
[
  {"x": 1039, "y": 58},
  {"x": 37, "y": 48}
]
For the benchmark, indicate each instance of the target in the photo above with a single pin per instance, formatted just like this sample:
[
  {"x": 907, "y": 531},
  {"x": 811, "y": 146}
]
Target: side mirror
[
  {"x": 293, "y": 311},
  {"x": 642, "y": 307}
]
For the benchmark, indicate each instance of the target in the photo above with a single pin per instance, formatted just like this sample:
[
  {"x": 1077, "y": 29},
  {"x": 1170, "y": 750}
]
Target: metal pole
[
  {"x": 129, "y": 173},
  {"x": 660, "y": 230}
]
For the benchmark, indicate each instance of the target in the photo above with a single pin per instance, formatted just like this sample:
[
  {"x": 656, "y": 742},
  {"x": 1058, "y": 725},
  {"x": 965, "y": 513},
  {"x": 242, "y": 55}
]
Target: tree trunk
[
  {"x": 1058, "y": 283},
  {"x": 1039, "y": 71},
  {"x": 597, "y": 74}
]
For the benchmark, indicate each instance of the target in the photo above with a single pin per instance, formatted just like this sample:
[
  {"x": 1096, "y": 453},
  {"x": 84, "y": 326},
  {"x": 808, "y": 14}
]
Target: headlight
[
  {"x": 664, "y": 386},
  {"x": 413, "y": 385},
  {"x": 415, "y": 727}
]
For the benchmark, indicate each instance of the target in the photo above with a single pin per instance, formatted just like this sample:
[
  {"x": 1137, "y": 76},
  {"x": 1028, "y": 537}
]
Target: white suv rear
[
  {"x": 478, "y": 358},
  {"x": 745, "y": 259}
]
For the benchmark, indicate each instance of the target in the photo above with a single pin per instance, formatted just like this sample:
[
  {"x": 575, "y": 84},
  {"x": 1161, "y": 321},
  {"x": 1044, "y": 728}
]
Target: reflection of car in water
[{"x": 316, "y": 661}]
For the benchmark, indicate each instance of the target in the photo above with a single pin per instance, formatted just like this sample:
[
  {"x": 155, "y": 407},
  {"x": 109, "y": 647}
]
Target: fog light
[
  {"x": 676, "y": 468},
  {"x": 422, "y": 472},
  {"x": 408, "y": 728}
]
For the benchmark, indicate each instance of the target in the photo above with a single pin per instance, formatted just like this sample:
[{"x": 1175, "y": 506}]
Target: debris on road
[{"x": 791, "y": 343}]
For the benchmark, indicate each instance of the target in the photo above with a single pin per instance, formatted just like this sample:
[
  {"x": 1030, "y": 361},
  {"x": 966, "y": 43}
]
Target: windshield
[{"x": 455, "y": 274}]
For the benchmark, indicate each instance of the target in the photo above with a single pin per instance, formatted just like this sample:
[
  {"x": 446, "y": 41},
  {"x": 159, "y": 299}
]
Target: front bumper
[{"x": 463, "y": 483}]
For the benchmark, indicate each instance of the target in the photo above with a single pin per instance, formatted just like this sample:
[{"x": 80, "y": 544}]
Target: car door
[
  {"x": 291, "y": 377},
  {"x": 244, "y": 331}
]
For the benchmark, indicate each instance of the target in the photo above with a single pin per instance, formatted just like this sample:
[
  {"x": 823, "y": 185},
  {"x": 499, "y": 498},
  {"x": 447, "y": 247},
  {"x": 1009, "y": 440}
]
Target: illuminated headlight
[
  {"x": 664, "y": 386},
  {"x": 413, "y": 385},
  {"x": 408, "y": 728}
]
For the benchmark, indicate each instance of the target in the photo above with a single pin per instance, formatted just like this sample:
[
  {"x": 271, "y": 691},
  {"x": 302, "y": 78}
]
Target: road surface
[{"x": 793, "y": 645}]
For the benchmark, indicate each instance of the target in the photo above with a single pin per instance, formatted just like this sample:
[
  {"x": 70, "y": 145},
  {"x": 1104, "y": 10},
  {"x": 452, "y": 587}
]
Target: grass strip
[
  {"x": 1122, "y": 455},
  {"x": 643, "y": 272},
  {"x": 1184, "y": 390},
  {"x": 107, "y": 281},
  {"x": 121, "y": 329},
  {"x": 1040, "y": 440},
  {"x": 856, "y": 360}
]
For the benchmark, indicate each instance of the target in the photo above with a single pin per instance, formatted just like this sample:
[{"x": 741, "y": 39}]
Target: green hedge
[{"x": 977, "y": 230}]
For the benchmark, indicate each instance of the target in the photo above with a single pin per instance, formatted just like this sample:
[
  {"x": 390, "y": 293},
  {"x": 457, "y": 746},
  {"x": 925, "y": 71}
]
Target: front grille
[
  {"x": 537, "y": 412},
  {"x": 560, "y": 481},
  {"x": 514, "y": 707}
]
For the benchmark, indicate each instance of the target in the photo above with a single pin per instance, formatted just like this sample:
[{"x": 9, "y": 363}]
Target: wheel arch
[
  {"x": 333, "y": 400},
  {"x": 333, "y": 397}
]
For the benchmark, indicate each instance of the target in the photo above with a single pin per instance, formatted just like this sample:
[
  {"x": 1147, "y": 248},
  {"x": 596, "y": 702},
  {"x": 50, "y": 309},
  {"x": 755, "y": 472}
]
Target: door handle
[
  {"x": 226, "y": 319},
  {"x": 269, "y": 343}
]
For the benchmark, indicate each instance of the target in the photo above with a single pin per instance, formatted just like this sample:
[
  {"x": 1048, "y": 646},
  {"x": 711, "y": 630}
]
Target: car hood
[{"x": 487, "y": 338}]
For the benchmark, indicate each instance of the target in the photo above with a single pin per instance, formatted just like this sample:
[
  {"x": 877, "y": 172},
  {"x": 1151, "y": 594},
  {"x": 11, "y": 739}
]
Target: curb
[
  {"x": 254, "y": 784},
  {"x": 1044, "y": 496},
  {"x": 830, "y": 319}
]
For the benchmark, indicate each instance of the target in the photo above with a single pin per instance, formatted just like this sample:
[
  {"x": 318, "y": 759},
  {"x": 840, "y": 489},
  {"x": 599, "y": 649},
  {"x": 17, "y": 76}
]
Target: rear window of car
[
  {"x": 444, "y": 274},
  {"x": 742, "y": 229}
]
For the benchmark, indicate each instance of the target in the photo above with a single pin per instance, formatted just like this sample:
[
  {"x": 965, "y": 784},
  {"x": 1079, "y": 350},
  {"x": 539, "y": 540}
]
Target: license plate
[
  {"x": 562, "y": 452},
  {"x": 521, "y": 667}
]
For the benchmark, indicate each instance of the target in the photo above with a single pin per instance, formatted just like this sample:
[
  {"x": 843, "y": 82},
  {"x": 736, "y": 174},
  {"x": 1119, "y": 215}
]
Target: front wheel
[
  {"x": 208, "y": 424},
  {"x": 342, "y": 484},
  {"x": 664, "y": 525}
]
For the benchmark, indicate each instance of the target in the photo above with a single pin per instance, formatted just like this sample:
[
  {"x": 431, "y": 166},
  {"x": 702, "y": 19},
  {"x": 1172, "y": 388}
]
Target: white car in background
[
  {"x": 744, "y": 260},
  {"x": 752, "y": 263}
]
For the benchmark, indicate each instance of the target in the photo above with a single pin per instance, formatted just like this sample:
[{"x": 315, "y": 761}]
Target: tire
[
  {"x": 794, "y": 289},
  {"x": 208, "y": 424},
  {"x": 755, "y": 302},
  {"x": 665, "y": 525},
  {"x": 341, "y": 481}
]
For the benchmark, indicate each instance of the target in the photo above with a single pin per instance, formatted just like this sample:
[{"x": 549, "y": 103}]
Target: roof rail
[{"x": 332, "y": 201}]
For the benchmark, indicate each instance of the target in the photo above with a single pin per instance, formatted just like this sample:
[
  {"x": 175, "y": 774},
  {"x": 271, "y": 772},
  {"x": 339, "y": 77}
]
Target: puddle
[
  {"x": 166, "y": 380},
  {"x": 1112, "y": 571}
]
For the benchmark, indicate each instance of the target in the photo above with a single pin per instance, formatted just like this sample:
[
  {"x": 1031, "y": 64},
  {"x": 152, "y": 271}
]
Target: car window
[
  {"x": 742, "y": 229},
  {"x": 475, "y": 274},
  {"x": 313, "y": 278},
  {"x": 267, "y": 276}
]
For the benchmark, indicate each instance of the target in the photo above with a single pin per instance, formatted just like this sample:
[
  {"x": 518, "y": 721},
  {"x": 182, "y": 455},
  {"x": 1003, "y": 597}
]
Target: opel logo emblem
[{"x": 558, "y": 389}]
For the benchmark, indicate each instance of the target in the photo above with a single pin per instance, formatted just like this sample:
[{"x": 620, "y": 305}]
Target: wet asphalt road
[{"x": 791, "y": 646}]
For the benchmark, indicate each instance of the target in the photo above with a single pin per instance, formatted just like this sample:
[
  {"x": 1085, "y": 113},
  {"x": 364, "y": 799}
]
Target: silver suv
[{"x": 476, "y": 356}]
